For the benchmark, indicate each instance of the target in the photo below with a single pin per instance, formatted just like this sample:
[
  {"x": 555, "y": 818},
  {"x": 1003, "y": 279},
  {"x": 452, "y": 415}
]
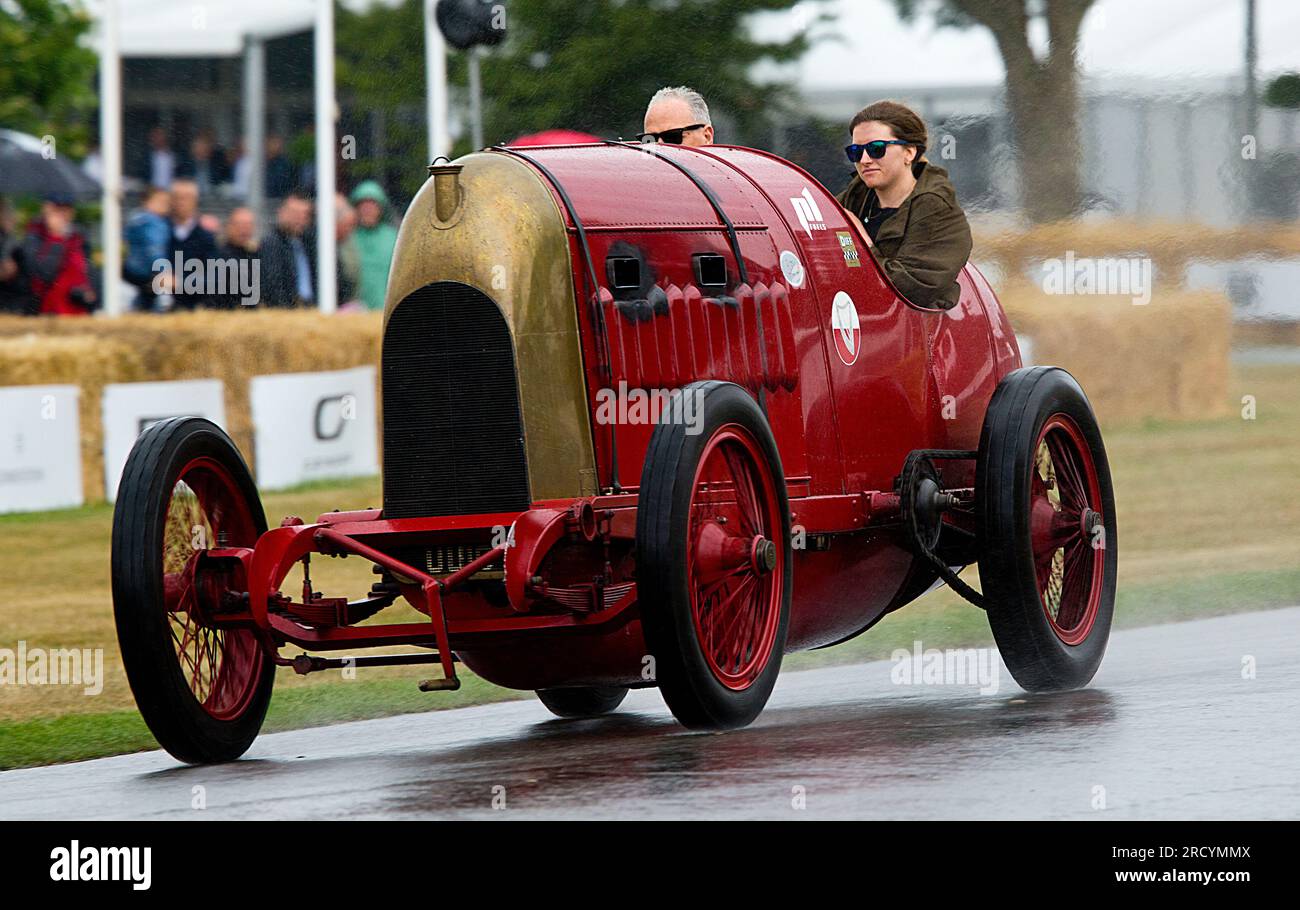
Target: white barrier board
[
  {"x": 40, "y": 448},
  {"x": 312, "y": 426},
  {"x": 129, "y": 408}
]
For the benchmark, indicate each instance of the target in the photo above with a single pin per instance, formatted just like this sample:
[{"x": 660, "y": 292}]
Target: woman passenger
[{"x": 905, "y": 206}]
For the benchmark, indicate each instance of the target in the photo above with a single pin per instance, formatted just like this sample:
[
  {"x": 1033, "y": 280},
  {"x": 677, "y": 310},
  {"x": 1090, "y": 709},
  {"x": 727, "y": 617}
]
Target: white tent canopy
[
  {"x": 162, "y": 28},
  {"x": 229, "y": 28},
  {"x": 204, "y": 28}
]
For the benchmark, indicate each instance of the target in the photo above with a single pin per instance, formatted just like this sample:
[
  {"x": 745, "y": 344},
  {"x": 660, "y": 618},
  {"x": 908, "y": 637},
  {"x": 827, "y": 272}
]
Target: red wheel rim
[
  {"x": 1067, "y": 529},
  {"x": 735, "y": 564},
  {"x": 207, "y": 509}
]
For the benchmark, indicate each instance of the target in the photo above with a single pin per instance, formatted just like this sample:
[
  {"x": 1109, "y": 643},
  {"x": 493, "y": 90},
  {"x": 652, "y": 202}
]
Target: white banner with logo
[
  {"x": 40, "y": 448},
  {"x": 129, "y": 408},
  {"x": 311, "y": 426}
]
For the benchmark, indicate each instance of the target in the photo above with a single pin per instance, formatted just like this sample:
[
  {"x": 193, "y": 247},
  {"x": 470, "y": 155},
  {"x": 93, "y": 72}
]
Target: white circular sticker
[
  {"x": 846, "y": 329},
  {"x": 792, "y": 268}
]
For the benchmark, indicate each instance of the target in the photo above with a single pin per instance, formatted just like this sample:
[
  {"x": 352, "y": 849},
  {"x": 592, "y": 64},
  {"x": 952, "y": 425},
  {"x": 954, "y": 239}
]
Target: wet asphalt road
[{"x": 1168, "y": 729}]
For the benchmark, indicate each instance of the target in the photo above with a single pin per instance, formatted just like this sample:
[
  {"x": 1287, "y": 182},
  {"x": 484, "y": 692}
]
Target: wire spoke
[
  {"x": 707, "y": 593},
  {"x": 1068, "y": 479},
  {"x": 745, "y": 496},
  {"x": 1076, "y": 586},
  {"x": 733, "y": 621},
  {"x": 724, "y": 608}
]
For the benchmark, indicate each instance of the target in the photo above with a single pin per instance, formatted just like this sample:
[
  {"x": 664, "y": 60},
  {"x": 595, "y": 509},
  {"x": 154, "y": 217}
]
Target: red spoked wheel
[
  {"x": 223, "y": 666},
  {"x": 1046, "y": 517},
  {"x": 1065, "y": 527},
  {"x": 202, "y": 688},
  {"x": 734, "y": 559},
  {"x": 714, "y": 563}
]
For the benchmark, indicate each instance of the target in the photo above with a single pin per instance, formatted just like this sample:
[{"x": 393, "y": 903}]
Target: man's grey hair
[{"x": 693, "y": 99}]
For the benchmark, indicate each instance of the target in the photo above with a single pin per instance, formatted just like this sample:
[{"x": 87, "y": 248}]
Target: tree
[
  {"x": 1284, "y": 91},
  {"x": 379, "y": 60},
  {"x": 47, "y": 76},
  {"x": 1042, "y": 92},
  {"x": 580, "y": 64},
  {"x": 593, "y": 64}
]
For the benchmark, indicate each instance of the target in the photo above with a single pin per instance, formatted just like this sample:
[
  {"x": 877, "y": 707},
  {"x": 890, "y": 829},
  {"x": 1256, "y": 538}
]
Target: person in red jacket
[{"x": 55, "y": 256}]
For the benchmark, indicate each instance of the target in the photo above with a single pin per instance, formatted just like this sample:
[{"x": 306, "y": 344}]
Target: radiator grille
[
  {"x": 447, "y": 558},
  {"x": 453, "y": 438}
]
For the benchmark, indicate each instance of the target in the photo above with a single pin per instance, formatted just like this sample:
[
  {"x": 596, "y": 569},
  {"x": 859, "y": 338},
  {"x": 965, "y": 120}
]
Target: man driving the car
[{"x": 677, "y": 116}]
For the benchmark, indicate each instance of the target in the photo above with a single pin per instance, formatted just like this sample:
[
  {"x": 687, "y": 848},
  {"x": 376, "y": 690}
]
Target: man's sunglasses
[
  {"x": 670, "y": 137},
  {"x": 875, "y": 149}
]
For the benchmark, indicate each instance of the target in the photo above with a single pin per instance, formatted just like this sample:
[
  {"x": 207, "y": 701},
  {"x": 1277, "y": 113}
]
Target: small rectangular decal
[{"x": 850, "y": 250}]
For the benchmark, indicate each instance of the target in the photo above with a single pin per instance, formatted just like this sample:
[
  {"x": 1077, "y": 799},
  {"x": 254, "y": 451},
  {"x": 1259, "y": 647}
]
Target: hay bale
[
  {"x": 1168, "y": 359},
  {"x": 1172, "y": 246}
]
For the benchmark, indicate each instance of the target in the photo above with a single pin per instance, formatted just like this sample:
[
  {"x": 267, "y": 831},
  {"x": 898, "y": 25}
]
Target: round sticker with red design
[{"x": 845, "y": 329}]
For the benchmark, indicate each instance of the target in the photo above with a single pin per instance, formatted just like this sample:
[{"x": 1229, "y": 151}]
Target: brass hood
[{"x": 489, "y": 221}]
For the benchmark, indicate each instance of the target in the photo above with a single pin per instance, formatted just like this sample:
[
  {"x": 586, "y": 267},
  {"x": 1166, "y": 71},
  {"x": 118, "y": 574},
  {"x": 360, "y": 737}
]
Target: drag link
[{"x": 310, "y": 663}]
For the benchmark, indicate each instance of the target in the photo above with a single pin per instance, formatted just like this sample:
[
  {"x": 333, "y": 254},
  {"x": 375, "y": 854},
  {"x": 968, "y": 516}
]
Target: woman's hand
[{"x": 861, "y": 230}]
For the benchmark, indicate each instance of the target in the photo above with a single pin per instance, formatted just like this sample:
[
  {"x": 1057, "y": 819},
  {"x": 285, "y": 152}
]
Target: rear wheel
[
  {"x": 582, "y": 701},
  {"x": 714, "y": 564},
  {"x": 1046, "y": 514},
  {"x": 202, "y": 690}
]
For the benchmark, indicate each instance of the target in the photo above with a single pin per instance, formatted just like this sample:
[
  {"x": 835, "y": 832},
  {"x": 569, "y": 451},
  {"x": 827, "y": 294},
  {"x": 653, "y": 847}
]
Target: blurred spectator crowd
[
  {"x": 216, "y": 169},
  {"x": 190, "y": 236}
]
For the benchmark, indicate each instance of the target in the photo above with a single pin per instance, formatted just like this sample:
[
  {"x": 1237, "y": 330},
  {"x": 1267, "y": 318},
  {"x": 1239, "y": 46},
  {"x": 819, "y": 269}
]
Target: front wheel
[
  {"x": 714, "y": 563},
  {"x": 203, "y": 690},
  {"x": 1046, "y": 518}
]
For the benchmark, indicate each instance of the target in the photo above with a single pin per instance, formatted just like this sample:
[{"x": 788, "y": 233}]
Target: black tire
[
  {"x": 1023, "y": 575},
  {"x": 693, "y": 689},
  {"x": 151, "y": 655},
  {"x": 582, "y": 701}
]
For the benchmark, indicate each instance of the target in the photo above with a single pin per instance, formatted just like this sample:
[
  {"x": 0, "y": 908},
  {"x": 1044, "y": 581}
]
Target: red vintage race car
[{"x": 652, "y": 416}]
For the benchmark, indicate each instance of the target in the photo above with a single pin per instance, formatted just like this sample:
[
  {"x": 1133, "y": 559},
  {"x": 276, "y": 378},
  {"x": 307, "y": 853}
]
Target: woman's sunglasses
[
  {"x": 670, "y": 137},
  {"x": 875, "y": 149}
]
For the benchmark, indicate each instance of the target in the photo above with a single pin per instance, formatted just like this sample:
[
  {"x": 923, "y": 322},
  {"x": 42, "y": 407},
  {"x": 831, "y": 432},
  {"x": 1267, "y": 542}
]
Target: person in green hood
[
  {"x": 905, "y": 206},
  {"x": 375, "y": 239}
]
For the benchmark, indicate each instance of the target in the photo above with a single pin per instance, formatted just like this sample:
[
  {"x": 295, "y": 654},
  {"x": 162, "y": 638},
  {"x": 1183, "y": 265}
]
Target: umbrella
[
  {"x": 24, "y": 170},
  {"x": 556, "y": 137}
]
